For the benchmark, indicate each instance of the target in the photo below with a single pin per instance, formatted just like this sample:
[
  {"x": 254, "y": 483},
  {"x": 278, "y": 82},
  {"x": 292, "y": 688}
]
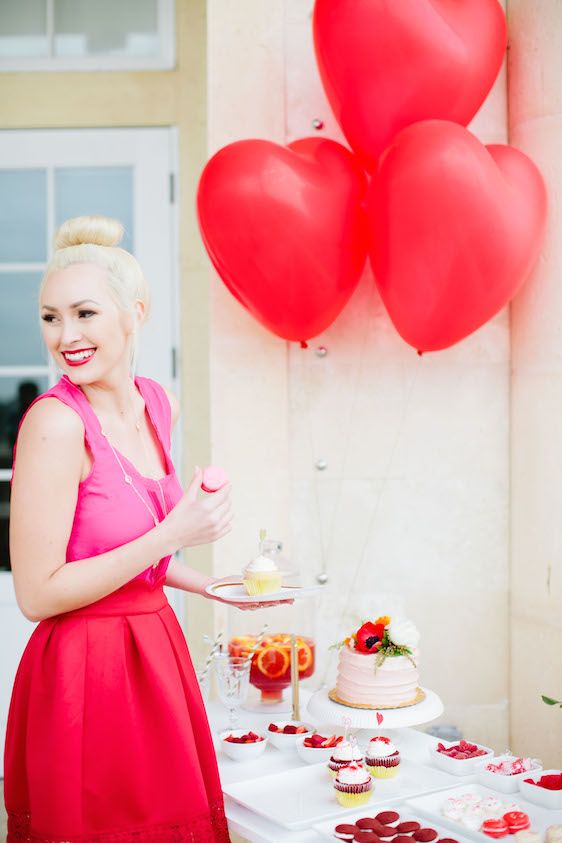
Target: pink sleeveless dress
[{"x": 107, "y": 736}]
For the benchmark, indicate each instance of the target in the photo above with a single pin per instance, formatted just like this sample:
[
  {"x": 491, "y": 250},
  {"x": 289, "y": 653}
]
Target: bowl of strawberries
[
  {"x": 242, "y": 744},
  {"x": 284, "y": 733},
  {"x": 316, "y": 748}
]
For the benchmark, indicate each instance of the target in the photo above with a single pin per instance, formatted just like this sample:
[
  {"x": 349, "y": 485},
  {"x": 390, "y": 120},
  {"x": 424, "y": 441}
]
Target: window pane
[
  {"x": 23, "y": 216},
  {"x": 96, "y": 190},
  {"x": 20, "y": 336},
  {"x": 16, "y": 394},
  {"x": 126, "y": 28},
  {"x": 4, "y": 525},
  {"x": 23, "y": 28}
]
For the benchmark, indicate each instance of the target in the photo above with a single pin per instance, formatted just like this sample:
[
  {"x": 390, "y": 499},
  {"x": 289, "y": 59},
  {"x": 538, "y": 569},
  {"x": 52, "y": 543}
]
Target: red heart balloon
[
  {"x": 385, "y": 65},
  {"x": 454, "y": 229},
  {"x": 285, "y": 229}
]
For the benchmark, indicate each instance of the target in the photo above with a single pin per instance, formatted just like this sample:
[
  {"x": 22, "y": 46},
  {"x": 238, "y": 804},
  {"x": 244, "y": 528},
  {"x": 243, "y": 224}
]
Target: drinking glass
[{"x": 233, "y": 674}]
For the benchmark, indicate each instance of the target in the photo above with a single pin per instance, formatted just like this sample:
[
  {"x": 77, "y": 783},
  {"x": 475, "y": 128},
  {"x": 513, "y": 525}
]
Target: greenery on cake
[{"x": 384, "y": 638}]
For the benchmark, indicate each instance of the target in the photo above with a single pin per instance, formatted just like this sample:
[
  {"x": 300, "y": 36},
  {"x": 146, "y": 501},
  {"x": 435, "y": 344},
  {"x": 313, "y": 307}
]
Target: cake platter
[{"x": 324, "y": 710}]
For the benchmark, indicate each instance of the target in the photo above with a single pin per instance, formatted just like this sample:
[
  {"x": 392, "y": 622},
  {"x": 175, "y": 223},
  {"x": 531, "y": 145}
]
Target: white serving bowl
[
  {"x": 311, "y": 754},
  {"x": 540, "y": 795},
  {"x": 283, "y": 741},
  {"x": 242, "y": 751},
  {"x": 460, "y": 766},
  {"x": 505, "y": 784}
]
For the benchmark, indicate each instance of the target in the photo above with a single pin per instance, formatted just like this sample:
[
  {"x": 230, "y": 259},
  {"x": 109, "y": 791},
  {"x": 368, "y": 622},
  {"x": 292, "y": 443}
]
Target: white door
[{"x": 46, "y": 177}]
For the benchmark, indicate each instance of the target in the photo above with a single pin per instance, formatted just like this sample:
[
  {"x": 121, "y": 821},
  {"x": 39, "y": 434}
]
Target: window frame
[{"x": 165, "y": 61}]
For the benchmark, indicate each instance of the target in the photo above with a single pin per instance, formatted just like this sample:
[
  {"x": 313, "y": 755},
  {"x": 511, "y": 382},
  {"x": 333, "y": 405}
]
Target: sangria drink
[{"x": 270, "y": 672}]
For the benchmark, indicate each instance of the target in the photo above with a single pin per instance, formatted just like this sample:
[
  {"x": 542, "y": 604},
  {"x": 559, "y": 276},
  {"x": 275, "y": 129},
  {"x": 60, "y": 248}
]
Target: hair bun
[{"x": 97, "y": 230}]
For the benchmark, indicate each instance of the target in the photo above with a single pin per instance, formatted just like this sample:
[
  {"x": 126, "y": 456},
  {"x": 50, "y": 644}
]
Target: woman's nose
[{"x": 70, "y": 332}]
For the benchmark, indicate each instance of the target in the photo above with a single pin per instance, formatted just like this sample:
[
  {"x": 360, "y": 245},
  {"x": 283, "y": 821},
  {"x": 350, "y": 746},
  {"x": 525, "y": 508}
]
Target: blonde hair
[{"x": 95, "y": 239}]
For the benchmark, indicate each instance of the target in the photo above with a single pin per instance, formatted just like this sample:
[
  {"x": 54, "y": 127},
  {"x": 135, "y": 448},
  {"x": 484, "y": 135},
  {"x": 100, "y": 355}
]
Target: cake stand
[{"x": 324, "y": 710}]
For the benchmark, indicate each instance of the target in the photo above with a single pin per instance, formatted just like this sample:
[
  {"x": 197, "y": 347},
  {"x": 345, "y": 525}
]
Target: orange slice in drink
[
  {"x": 272, "y": 661},
  {"x": 304, "y": 656}
]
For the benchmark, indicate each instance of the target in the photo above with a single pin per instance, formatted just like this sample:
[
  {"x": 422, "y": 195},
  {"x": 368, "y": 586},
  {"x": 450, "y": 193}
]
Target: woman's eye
[
  {"x": 86, "y": 313},
  {"x": 47, "y": 318}
]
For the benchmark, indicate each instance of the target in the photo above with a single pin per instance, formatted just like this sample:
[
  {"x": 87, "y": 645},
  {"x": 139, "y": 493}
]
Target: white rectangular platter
[
  {"x": 326, "y": 829},
  {"x": 430, "y": 806},
  {"x": 296, "y": 799}
]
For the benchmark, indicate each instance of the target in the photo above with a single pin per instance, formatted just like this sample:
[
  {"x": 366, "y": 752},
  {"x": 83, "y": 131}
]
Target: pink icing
[{"x": 394, "y": 682}]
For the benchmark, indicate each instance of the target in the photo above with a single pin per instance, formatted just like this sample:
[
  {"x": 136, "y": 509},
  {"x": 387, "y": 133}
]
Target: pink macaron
[{"x": 214, "y": 478}]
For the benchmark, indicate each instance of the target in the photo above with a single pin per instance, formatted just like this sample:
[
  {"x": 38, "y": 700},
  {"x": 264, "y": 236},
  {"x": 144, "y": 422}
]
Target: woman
[{"x": 107, "y": 734}]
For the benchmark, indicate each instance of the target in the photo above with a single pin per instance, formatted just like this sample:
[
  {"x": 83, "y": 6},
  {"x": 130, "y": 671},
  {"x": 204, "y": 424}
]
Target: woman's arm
[
  {"x": 44, "y": 494},
  {"x": 187, "y": 579}
]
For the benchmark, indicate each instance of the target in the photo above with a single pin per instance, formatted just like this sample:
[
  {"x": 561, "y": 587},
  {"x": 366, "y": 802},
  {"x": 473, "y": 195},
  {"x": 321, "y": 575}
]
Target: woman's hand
[
  {"x": 267, "y": 604},
  {"x": 197, "y": 519}
]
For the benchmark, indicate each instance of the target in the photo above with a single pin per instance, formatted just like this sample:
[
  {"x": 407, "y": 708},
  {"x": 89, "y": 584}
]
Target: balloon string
[{"x": 372, "y": 520}]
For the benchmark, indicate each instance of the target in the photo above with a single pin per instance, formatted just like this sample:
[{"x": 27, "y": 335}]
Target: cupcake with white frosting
[
  {"x": 382, "y": 758},
  {"x": 261, "y": 576},
  {"x": 346, "y": 752},
  {"x": 353, "y": 786}
]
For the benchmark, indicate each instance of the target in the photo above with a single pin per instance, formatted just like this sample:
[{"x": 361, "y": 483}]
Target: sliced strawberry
[{"x": 300, "y": 729}]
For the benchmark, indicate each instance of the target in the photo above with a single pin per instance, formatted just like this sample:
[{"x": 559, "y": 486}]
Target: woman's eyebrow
[{"x": 76, "y": 304}]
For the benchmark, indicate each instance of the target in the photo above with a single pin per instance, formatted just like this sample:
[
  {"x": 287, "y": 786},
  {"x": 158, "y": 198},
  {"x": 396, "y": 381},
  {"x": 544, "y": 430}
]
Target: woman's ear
[{"x": 140, "y": 312}]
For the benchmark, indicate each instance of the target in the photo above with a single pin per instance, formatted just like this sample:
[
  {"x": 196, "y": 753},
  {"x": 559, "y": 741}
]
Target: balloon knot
[
  {"x": 420, "y": 353},
  {"x": 303, "y": 344}
]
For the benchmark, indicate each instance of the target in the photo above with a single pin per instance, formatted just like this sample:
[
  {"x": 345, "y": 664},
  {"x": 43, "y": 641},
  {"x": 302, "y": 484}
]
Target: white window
[{"x": 82, "y": 35}]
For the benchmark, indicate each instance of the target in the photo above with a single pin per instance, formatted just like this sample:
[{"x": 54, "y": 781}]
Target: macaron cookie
[
  {"x": 517, "y": 821},
  {"x": 495, "y": 827},
  {"x": 214, "y": 478},
  {"x": 345, "y": 831}
]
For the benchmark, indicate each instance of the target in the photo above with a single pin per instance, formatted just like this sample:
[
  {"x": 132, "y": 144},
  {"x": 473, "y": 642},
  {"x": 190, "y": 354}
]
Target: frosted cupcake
[
  {"x": 346, "y": 752},
  {"x": 353, "y": 786},
  {"x": 382, "y": 758},
  {"x": 261, "y": 576}
]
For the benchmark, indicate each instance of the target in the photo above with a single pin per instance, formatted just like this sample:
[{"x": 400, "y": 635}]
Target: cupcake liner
[
  {"x": 383, "y": 772},
  {"x": 262, "y": 584},
  {"x": 352, "y": 800}
]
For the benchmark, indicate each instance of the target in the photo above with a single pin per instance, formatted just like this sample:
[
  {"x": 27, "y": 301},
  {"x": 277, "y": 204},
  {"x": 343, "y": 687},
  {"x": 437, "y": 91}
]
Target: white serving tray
[
  {"x": 326, "y": 829},
  {"x": 430, "y": 806},
  {"x": 297, "y": 798}
]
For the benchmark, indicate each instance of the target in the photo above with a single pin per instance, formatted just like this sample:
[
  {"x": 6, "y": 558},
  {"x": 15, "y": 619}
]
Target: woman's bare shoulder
[{"x": 52, "y": 419}]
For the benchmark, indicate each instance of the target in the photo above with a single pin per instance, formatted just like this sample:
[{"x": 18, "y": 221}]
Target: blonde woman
[{"x": 107, "y": 736}]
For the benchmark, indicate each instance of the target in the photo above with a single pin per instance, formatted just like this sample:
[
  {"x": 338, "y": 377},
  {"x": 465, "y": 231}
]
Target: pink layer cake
[{"x": 394, "y": 683}]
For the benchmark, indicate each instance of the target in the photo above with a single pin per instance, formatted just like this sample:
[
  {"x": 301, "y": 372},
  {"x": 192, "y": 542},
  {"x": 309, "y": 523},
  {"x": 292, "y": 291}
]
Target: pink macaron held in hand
[{"x": 214, "y": 478}]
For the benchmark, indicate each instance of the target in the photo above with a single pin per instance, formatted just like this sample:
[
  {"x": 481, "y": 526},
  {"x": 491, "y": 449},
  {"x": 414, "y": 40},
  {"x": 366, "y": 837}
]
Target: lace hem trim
[{"x": 207, "y": 828}]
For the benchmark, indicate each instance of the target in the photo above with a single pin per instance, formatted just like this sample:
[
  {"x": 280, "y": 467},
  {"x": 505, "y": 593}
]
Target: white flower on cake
[{"x": 403, "y": 633}]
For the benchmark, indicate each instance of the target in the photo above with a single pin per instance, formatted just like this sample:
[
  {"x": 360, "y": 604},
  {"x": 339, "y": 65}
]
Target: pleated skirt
[{"x": 107, "y": 736}]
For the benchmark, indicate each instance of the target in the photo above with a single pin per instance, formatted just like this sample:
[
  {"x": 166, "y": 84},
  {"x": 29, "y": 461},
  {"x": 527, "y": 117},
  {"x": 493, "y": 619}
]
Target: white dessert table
[{"x": 257, "y": 829}]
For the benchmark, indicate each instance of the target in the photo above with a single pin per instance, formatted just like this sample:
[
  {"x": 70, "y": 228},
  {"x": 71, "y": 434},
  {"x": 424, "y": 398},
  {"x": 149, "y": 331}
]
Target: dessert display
[
  {"x": 378, "y": 666},
  {"x": 353, "y": 786},
  {"x": 249, "y": 737},
  {"x": 388, "y": 826},
  {"x": 270, "y": 671},
  {"x": 382, "y": 758},
  {"x": 345, "y": 753},
  {"x": 462, "y": 751}
]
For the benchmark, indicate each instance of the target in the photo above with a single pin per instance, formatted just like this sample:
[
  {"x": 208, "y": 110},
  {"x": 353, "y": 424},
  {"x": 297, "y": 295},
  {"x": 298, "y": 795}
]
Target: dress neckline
[{"x": 147, "y": 405}]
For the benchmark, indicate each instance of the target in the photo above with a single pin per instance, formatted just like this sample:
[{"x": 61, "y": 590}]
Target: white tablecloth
[{"x": 412, "y": 744}]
